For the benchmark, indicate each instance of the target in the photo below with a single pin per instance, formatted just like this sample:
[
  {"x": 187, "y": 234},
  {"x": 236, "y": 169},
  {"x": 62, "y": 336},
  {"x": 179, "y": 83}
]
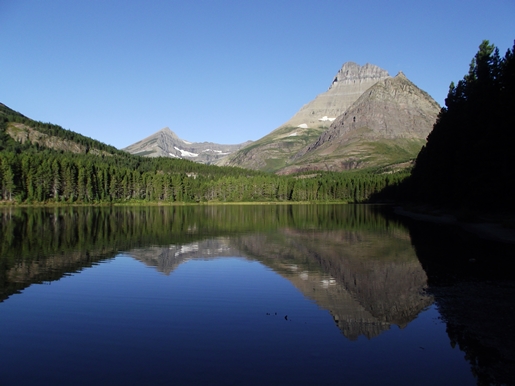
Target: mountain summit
[
  {"x": 387, "y": 125},
  {"x": 366, "y": 119},
  {"x": 347, "y": 86},
  {"x": 165, "y": 143},
  {"x": 273, "y": 152}
]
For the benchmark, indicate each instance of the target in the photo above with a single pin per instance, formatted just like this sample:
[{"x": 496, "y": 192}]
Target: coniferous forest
[
  {"x": 469, "y": 159},
  {"x": 100, "y": 173}
]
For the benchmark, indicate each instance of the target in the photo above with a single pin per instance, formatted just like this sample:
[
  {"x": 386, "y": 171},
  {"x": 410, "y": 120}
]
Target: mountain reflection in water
[
  {"x": 367, "y": 281},
  {"x": 356, "y": 262}
]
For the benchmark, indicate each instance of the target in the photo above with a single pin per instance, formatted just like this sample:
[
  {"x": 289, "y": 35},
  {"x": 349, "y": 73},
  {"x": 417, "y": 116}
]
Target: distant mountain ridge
[{"x": 165, "y": 143}]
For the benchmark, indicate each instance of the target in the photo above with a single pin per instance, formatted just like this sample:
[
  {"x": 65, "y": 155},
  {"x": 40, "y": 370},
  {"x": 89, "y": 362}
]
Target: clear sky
[{"x": 223, "y": 71}]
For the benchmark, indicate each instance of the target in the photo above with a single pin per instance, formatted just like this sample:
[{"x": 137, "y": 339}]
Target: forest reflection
[
  {"x": 368, "y": 269},
  {"x": 351, "y": 260}
]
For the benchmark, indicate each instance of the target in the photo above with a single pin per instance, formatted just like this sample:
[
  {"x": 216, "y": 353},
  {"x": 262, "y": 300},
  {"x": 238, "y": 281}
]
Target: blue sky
[{"x": 222, "y": 71}]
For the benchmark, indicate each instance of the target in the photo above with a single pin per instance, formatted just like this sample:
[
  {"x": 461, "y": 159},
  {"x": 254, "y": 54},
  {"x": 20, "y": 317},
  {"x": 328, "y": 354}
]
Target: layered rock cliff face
[
  {"x": 351, "y": 81},
  {"x": 393, "y": 108},
  {"x": 388, "y": 124},
  {"x": 273, "y": 152},
  {"x": 165, "y": 143}
]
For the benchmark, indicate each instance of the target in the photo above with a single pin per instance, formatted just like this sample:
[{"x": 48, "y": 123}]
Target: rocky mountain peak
[
  {"x": 352, "y": 73},
  {"x": 165, "y": 143},
  {"x": 394, "y": 113},
  {"x": 350, "y": 82},
  {"x": 401, "y": 75},
  {"x": 168, "y": 132},
  {"x": 273, "y": 151}
]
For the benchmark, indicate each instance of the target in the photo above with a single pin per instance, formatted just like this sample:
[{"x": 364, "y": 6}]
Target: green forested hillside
[
  {"x": 469, "y": 159},
  {"x": 14, "y": 121},
  {"x": 30, "y": 173}
]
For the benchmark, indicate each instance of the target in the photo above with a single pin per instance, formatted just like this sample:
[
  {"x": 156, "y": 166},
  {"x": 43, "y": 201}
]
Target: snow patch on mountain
[
  {"x": 185, "y": 153},
  {"x": 215, "y": 151}
]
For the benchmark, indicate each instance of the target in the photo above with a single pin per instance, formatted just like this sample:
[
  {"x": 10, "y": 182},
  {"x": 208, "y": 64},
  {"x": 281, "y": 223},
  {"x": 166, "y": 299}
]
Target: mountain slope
[
  {"x": 387, "y": 125},
  {"x": 350, "y": 82},
  {"x": 19, "y": 131},
  {"x": 273, "y": 151},
  {"x": 165, "y": 143}
]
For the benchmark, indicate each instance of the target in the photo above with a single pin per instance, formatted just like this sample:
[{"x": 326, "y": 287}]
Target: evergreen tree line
[
  {"x": 32, "y": 174},
  {"x": 469, "y": 160},
  {"x": 42, "y": 176}
]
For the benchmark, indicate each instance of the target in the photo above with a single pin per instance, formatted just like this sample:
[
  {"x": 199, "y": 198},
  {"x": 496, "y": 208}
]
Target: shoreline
[
  {"x": 493, "y": 229},
  {"x": 175, "y": 203}
]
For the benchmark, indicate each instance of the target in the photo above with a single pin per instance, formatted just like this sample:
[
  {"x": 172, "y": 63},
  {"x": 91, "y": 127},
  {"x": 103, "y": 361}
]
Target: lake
[{"x": 250, "y": 294}]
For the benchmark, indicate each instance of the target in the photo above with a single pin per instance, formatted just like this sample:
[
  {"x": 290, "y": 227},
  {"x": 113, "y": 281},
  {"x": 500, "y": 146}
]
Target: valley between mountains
[{"x": 367, "y": 123}]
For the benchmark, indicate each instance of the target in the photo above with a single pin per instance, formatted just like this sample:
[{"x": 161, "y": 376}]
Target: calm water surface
[{"x": 221, "y": 295}]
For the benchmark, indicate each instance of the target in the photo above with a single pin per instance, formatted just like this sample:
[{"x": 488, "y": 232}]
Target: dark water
[{"x": 238, "y": 295}]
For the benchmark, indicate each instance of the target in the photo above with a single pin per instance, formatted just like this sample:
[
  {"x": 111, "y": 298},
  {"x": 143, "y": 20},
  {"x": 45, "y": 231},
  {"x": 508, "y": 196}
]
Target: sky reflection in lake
[{"x": 293, "y": 305}]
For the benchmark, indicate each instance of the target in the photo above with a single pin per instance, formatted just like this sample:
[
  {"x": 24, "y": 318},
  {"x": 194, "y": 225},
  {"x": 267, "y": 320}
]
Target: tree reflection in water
[{"x": 336, "y": 255}]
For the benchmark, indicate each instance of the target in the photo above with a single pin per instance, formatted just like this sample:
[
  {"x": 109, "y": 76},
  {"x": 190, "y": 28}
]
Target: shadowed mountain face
[
  {"x": 273, "y": 152},
  {"x": 165, "y": 143},
  {"x": 387, "y": 125},
  {"x": 365, "y": 119},
  {"x": 351, "y": 81}
]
